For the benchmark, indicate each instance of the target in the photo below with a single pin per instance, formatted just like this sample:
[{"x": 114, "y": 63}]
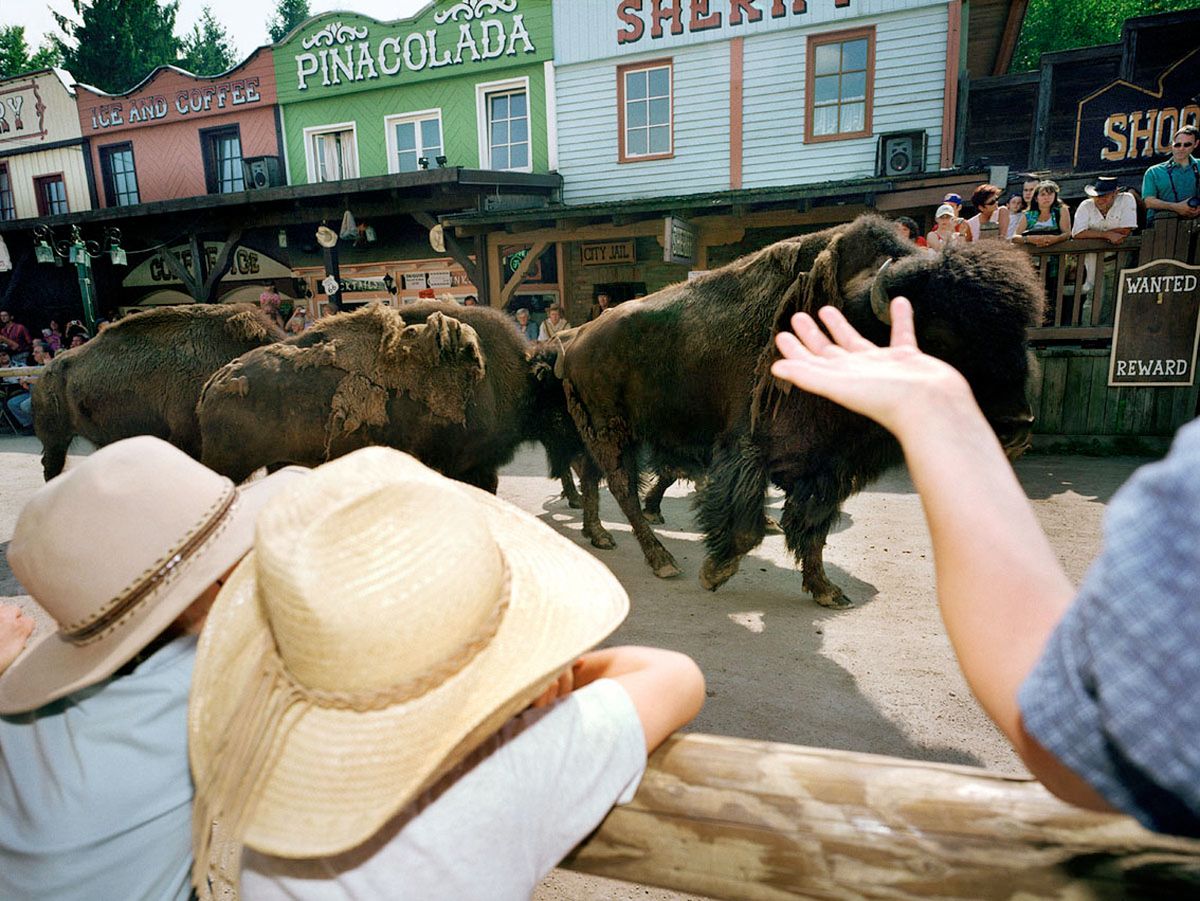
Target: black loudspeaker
[
  {"x": 901, "y": 153},
  {"x": 262, "y": 172}
]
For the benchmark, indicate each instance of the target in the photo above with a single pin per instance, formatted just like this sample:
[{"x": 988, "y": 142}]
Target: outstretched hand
[
  {"x": 893, "y": 385},
  {"x": 15, "y": 629}
]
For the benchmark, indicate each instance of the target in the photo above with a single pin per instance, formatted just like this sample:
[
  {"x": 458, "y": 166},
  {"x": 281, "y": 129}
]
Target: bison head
[{"x": 972, "y": 305}]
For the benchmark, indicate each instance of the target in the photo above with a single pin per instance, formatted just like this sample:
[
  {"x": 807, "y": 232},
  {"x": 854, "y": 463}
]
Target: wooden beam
[
  {"x": 1012, "y": 31},
  {"x": 221, "y": 265},
  {"x": 738, "y": 819},
  {"x": 950, "y": 98},
  {"x": 522, "y": 270},
  {"x": 456, "y": 251},
  {"x": 181, "y": 272}
]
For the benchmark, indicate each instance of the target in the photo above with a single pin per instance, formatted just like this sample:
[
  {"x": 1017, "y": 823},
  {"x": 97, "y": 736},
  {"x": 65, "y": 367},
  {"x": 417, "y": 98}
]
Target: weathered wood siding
[
  {"x": 47, "y": 118},
  {"x": 910, "y": 77},
  {"x": 587, "y": 130},
  {"x": 162, "y": 119},
  {"x": 910, "y": 64},
  {"x": 1072, "y": 401}
]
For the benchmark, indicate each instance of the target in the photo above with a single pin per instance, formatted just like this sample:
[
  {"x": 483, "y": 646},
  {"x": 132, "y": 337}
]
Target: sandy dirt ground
[{"x": 879, "y": 678}]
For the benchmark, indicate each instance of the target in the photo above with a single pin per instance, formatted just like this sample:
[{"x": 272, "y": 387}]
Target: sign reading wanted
[{"x": 1157, "y": 326}]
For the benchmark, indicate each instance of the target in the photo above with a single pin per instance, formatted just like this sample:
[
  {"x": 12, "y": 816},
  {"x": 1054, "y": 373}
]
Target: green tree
[
  {"x": 208, "y": 50},
  {"x": 117, "y": 43},
  {"x": 1057, "y": 25},
  {"x": 288, "y": 14},
  {"x": 14, "y": 53}
]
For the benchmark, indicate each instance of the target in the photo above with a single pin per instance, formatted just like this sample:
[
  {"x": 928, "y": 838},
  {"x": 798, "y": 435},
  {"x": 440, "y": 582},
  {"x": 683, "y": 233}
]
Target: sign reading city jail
[
  {"x": 1122, "y": 121},
  {"x": 608, "y": 253},
  {"x": 1157, "y": 327},
  {"x": 247, "y": 265},
  {"x": 345, "y": 51}
]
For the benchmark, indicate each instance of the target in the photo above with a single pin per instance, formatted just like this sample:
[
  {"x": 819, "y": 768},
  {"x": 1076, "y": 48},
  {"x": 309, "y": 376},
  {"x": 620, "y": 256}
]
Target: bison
[
  {"x": 455, "y": 386},
  {"x": 141, "y": 376},
  {"x": 685, "y": 374}
]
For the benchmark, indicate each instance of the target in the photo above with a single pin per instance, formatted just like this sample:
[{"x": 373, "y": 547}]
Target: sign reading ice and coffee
[
  {"x": 351, "y": 50},
  {"x": 1157, "y": 328}
]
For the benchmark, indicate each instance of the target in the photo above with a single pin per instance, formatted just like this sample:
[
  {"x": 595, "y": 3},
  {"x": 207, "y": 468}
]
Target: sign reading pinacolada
[
  {"x": 1157, "y": 328},
  {"x": 344, "y": 49}
]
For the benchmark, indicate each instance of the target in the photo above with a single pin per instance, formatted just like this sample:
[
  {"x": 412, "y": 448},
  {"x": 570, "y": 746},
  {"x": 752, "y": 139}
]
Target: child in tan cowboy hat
[
  {"x": 124, "y": 552},
  {"x": 390, "y": 698}
]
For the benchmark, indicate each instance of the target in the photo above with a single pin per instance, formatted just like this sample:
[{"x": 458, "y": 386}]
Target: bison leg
[
  {"x": 54, "y": 455},
  {"x": 807, "y": 519},
  {"x": 623, "y": 483},
  {"x": 730, "y": 510},
  {"x": 652, "y": 502},
  {"x": 589, "y": 484},
  {"x": 485, "y": 477},
  {"x": 570, "y": 492}
]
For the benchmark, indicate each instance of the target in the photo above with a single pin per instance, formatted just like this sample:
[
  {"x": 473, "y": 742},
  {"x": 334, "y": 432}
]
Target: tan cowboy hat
[
  {"x": 388, "y": 621},
  {"x": 113, "y": 550},
  {"x": 326, "y": 236}
]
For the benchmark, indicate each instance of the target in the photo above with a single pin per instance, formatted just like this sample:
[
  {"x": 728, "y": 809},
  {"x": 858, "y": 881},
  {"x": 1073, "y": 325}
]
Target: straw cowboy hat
[
  {"x": 113, "y": 551},
  {"x": 388, "y": 621}
]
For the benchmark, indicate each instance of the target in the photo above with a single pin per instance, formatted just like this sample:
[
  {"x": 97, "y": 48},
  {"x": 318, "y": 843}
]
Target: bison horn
[{"x": 879, "y": 296}]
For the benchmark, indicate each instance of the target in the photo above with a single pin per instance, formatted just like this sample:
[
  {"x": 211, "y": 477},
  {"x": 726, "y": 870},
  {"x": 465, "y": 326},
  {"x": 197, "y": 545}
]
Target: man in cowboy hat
[
  {"x": 365, "y": 713},
  {"x": 1108, "y": 214},
  {"x": 124, "y": 552}
]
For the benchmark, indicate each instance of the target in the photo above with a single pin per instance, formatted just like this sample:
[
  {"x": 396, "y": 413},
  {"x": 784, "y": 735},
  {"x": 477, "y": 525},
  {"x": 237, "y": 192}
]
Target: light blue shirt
[
  {"x": 95, "y": 792},
  {"x": 1114, "y": 696}
]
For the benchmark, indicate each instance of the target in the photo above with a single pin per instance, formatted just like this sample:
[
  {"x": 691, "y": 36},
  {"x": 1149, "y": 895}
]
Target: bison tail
[{"x": 729, "y": 506}]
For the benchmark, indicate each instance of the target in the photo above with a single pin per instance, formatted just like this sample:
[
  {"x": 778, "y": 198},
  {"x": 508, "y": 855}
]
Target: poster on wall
[{"x": 1157, "y": 326}]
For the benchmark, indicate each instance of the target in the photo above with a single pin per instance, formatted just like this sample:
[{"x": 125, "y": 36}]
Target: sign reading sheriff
[{"x": 1157, "y": 326}]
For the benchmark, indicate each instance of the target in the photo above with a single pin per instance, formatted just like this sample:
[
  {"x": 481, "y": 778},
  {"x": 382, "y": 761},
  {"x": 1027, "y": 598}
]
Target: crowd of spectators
[{"x": 21, "y": 352}]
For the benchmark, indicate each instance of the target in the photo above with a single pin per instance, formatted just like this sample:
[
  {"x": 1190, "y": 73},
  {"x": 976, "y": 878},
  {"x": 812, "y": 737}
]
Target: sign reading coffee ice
[
  {"x": 355, "y": 49},
  {"x": 1157, "y": 327}
]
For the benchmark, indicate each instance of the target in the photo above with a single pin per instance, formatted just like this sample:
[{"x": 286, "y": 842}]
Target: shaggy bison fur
[
  {"x": 457, "y": 387},
  {"x": 141, "y": 376},
  {"x": 685, "y": 375}
]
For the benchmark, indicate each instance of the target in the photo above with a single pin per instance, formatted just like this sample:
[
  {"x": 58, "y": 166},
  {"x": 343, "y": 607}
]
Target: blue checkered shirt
[{"x": 1116, "y": 693}]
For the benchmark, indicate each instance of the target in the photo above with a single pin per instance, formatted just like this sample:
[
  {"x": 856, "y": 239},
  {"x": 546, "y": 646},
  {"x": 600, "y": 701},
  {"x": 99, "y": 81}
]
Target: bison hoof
[
  {"x": 666, "y": 569},
  {"x": 574, "y": 503},
  {"x": 655, "y": 517},
  {"x": 773, "y": 527},
  {"x": 834, "y": 599},
  {"x": 713, "y": 575},
  {"x": 601, "y": 539}
]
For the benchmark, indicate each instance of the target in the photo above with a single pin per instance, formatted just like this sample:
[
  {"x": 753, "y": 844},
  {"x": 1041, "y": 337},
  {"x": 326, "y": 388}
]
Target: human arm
[
  {"x": 1001, "y": 589},
  {"x": 666, "y": 687},
  {"x": 1153, "y": 202},
  {"x": 1003, "y": 218},
  {"x": 15, "y": 629}
]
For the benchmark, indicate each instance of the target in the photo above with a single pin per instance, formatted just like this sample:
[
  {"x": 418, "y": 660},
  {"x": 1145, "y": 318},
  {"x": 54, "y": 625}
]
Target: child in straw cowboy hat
[
  {"x": 390, "y": 698},
  {"x": 124, "y": 552}
]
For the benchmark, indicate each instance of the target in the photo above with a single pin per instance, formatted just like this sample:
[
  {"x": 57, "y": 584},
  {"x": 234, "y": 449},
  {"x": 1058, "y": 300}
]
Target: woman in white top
[
  {"x": 944, "y": 233},
  {"x": 986, "y": 201}
]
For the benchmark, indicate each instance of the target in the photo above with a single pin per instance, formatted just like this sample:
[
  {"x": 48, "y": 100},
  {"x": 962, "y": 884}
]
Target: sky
[{"x": 245, "y": 20}]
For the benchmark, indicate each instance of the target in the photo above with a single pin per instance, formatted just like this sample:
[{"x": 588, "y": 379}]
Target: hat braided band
[{"x": 134, "y": 595}]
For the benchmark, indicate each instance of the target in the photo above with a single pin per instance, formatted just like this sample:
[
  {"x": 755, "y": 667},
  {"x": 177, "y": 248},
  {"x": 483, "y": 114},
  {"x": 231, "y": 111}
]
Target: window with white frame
[
  {"x": 332, "y": 152},
  {"x": 411, "y": 137},
  {"x": 505, "y": 124},
  {"x": 645, "y": 127}
]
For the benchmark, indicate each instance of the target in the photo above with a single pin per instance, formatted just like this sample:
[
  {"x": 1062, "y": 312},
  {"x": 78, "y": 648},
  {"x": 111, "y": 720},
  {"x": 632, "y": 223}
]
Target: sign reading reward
[
  {"x": 345, "y": 50},
  {"x": 1157, "y": 325}
]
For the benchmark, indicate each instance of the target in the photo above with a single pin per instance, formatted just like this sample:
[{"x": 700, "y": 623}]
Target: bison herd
[{"x": 676, "y": 384}]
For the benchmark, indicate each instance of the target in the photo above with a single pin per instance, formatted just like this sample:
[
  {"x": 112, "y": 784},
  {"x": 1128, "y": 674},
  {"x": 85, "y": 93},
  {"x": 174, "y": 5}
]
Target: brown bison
[
  {"x": 457, "y": 387},
  {"x": 684, "y": 374},
  {"x": 141, "y": 376}
]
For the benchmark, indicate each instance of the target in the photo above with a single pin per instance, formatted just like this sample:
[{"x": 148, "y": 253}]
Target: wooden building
[
  {"x": 180, "y": 135},
  {"x": 42, "y": 158},
  {"x": 732, "y": 125}
]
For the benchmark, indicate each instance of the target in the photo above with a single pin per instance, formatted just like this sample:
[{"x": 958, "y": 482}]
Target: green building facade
[{"x": 459, "y": 84}]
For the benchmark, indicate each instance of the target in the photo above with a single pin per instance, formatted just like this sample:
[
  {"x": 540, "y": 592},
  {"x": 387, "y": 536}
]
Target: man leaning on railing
[{"x": 1108, "y": 214}]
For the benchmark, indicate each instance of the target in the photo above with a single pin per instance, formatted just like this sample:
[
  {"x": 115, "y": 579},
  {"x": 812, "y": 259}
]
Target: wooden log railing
[{"x": 743, "y": 820}]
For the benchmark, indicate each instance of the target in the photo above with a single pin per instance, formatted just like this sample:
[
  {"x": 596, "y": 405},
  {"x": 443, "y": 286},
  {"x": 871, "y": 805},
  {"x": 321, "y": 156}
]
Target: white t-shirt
[
  {"x": 497, "y": 824},
  {"x": 1122, "y": 214}
]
